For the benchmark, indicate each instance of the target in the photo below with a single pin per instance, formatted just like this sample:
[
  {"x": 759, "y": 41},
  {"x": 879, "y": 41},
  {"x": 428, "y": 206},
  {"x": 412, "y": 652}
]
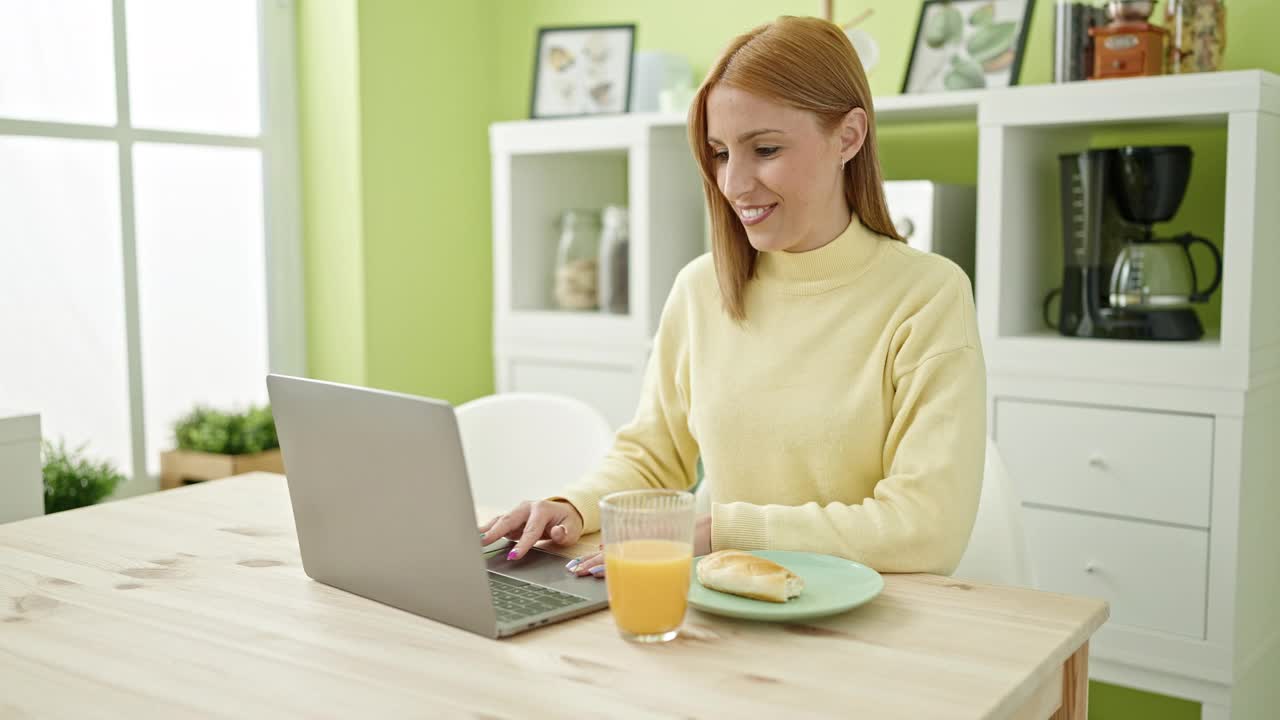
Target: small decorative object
[
  {"x": 1197, "y": 35},
  {"x": 214, "y": 444},
  {"x": 967, "y": 45},
  {"x": 1128, "y": 45},
  {"x": 864, "y": 44},
  {"x": 1072, "y": 44},
  {"x": 577, "y": 260},
  {"x": 675, "y": 100},
  {"x": 72, "y": 481},
  {"x": 655, "y": 72},
  {"x": 583, "y": 70},
  {"x": 613, "y": 260}
]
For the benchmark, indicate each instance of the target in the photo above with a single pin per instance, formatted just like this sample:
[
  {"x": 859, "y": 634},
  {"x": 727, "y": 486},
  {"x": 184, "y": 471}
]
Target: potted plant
[
  {"x": 216, "y": 444},
  {"x": 71, "y": 480}
]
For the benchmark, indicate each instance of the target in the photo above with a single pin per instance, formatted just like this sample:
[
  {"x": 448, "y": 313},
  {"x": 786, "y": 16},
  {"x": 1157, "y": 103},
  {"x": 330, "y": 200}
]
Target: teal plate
[{"x": 832, "y": 585}]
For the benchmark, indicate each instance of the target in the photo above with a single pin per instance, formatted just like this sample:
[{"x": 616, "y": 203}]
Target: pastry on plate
[{"x": 741, "y": 573}]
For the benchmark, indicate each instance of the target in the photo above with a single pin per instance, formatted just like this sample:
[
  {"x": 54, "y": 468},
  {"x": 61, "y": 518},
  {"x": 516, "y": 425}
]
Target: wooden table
[{"x": 192, "y": 602}]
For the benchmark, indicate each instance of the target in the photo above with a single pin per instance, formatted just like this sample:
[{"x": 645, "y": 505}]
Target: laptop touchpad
[{"x": 543, "y": 568}]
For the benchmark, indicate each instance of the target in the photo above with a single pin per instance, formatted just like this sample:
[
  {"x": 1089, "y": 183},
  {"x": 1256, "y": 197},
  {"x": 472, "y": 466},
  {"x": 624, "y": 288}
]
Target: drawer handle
[
  {"x": 1091, "y": 567},
  {"x": 1097, "y": 462}
]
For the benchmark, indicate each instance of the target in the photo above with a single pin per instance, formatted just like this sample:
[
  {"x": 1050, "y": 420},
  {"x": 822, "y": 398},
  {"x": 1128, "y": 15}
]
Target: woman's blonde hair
[{"x": 806, "y": 63}]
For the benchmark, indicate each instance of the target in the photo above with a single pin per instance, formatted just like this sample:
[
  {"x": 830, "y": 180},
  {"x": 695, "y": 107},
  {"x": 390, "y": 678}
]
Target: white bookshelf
[
  {"x": 1021, "y": 133},
  {"x": 1150, "y": 471},
  {"x": 540, "y": 168}
]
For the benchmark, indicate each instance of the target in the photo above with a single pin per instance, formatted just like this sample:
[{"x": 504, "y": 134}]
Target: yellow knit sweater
[{"x": 846, "y": 416}]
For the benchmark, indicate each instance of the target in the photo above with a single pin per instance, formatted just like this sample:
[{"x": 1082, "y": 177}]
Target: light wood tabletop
[{"x": 192, "y": 603}]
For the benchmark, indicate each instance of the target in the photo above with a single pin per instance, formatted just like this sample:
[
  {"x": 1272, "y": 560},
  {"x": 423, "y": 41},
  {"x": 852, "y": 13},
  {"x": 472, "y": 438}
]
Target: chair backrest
[
  {"x": 526, "y": 446},
  {"x": 21, "y": 476},
  {"x": 997, "y": 551}
]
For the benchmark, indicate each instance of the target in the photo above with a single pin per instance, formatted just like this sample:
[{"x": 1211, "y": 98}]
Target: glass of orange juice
[{"x": 648, "y": 557}]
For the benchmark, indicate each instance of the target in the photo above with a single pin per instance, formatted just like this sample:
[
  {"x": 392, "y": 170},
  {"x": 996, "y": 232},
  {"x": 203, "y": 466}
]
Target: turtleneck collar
[{"x": 837, "y": 263}]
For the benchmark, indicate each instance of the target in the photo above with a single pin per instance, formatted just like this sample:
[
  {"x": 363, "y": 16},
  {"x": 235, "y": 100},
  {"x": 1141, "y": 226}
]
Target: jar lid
[{"x": 615, "y": 215}]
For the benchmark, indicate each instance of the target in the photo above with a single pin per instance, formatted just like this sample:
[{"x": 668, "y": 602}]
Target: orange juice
[{"x": 648, "y": 583}]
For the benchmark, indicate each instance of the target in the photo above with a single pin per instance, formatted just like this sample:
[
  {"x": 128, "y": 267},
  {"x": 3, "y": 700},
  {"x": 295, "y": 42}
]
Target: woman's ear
[{"x": 853, "y": 132}]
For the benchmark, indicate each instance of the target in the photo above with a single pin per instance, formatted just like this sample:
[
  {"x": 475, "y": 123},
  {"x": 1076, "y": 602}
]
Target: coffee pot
[{"x": 1158, "y": 274}]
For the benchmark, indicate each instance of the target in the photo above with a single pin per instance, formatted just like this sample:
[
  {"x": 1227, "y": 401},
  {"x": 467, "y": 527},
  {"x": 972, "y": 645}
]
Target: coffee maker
[{"x": 1119, "y": 281}]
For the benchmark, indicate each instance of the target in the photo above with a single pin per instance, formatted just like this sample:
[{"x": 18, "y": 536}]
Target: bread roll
[{"x": 741, "y": 573}]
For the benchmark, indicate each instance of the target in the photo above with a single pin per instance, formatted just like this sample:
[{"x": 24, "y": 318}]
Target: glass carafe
[
  {"x": 577, "y": 259},
  {"x": 1159, "y": 274}
]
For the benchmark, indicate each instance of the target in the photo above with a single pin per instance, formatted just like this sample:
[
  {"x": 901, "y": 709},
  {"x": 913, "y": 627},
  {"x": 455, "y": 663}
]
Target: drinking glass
[{"x": 648, "y": 555}]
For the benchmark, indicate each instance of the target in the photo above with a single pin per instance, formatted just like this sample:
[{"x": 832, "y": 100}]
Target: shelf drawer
[
  {"x": 613, "y": 390},
  {"x": 1155, "y": 466},
  {"x": 1154, "y": 576}
]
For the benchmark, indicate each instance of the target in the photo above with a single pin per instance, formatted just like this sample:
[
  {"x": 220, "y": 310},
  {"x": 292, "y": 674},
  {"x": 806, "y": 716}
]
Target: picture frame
[
  {"x": 582, "y": 70},
  {"x": 967, "y": 45}
]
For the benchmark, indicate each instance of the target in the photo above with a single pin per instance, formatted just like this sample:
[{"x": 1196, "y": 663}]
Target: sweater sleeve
[
  {"x": 656, "y": 449},
  {"x": 921, "y": 513}
]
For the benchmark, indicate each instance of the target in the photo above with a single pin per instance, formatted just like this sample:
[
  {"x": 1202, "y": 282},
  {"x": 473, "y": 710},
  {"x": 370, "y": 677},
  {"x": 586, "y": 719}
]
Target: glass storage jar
[
  {"x": 614, "y": 251},
  {"x": 576, "y": 260},
  {"x": 1197, "y": 35}
]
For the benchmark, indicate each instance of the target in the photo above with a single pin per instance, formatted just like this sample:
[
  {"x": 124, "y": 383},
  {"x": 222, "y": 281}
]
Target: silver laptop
[{"x": 383, "y": 509}]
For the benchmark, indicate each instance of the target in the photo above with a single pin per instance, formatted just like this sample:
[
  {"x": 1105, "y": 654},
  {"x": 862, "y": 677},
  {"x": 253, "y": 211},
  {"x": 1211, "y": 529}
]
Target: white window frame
[{"x": 282, "y": 215}]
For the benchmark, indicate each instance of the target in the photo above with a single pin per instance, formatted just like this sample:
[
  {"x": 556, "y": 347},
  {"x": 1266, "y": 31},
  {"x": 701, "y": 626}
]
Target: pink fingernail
[{"x": 512, "y": 555}]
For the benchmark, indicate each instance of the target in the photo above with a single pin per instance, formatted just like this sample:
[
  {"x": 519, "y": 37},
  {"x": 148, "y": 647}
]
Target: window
[{"x": 149, "y": 245}]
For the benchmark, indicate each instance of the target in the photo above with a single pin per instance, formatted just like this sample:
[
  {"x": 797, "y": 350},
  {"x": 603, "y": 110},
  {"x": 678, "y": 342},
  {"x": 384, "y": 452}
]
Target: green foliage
[
  {"x": 72, "y": 481},
  {"x": 215, "y": 431}
]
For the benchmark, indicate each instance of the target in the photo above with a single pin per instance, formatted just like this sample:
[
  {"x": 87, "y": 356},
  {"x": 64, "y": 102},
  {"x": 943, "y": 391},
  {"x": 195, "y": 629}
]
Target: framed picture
[
  {"x": 582, "y": 70},
  {"x": 967, "y": 45}
]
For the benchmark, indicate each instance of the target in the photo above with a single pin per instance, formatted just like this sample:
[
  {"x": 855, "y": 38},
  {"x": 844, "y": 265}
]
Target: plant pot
[{"x": 183, "y": 467}]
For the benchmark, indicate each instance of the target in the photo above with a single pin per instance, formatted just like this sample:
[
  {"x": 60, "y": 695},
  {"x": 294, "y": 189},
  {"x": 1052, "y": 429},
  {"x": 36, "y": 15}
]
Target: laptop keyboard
[{"x": 517, "y": 600}]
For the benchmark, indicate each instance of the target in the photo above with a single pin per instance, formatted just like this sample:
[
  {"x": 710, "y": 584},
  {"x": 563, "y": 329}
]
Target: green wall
[
  {"x": 396, "y": 98},
  {"x": 329, "y": 132},
  {"x": 425, "y": 115},
  {"x": 395, "y": 103}
]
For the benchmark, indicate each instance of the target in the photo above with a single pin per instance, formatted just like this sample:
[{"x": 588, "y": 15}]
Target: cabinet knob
[
  {"x": 1091, "y": 567},
  {"x": 1097, "y": 462},
  {"x": 905, "y": 227}
]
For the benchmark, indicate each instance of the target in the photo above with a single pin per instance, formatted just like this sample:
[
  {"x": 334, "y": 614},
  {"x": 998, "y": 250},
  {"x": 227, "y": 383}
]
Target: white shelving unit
[
  {"x": 1150, "y": 472},
  {"x": 541, "y": 168}
]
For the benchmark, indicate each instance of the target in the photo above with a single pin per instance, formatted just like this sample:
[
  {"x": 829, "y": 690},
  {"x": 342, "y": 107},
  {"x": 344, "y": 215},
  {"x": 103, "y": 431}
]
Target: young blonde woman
[{"x": 829, "y": 376}]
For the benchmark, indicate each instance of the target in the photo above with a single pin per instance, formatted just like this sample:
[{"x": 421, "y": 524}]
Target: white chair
[
  {"x": 525, "y": 446},
  {"x": 21, "y": 476},
  {"x": 997, "y": 551}
]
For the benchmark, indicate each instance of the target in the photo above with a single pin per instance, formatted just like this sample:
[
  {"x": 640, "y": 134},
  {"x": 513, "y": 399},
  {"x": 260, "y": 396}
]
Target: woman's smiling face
[{"x": 779, "y": 170}]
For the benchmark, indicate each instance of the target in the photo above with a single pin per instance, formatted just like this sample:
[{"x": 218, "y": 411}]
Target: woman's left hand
[{"x": 594, "y": 564}]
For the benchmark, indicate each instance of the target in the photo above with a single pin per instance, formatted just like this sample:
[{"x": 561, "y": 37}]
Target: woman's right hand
[{"x": 531, "y": 521}]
